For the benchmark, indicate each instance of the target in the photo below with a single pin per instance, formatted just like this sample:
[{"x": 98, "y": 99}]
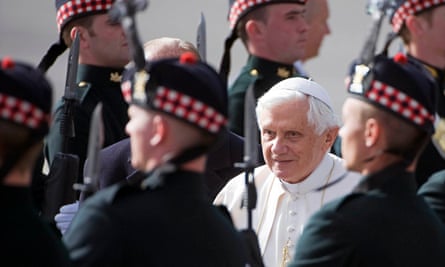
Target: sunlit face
[
  {"x": 285, "y": 32},
  {"x": 291, "y": 148},
  {"x": 140, "y": 131},
  {"x": 317, "y": 19},
  {"x": 352, "y": 135},
  {"x": 107, "y": 43}
]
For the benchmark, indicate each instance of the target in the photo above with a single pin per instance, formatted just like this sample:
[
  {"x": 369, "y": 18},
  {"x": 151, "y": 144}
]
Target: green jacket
[
  {"x": 97, "y": 84},
  {"x": 264, "y": 74},
  {"x": 383, "y": 223}
]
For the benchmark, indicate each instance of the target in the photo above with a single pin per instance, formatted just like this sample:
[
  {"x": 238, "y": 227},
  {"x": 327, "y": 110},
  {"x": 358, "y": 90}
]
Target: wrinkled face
[
  {"x": 317, "y": 19},
  {"x": 352, "y": 135},
  {"x": 140, "y": 131},
  {"x": 291, "y": 148},
  {"x": 285, "y": 32},
  {"x": 107, "y": 44}
]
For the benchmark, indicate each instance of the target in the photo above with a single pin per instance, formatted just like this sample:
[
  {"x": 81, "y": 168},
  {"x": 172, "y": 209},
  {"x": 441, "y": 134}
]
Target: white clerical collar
[{"x": 320, "y": 176}]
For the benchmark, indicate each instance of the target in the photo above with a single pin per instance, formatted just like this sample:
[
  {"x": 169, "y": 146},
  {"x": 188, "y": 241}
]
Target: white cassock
[{"x": 282, "y": 209}]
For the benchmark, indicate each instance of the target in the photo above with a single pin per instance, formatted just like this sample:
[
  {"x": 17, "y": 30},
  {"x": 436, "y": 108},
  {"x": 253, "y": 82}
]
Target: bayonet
[
  {"x": 250, "y": 153},
  {"x": 95, "y": 142},
  {"x": 123, "y": 11},
  {"x": 378, "y": 9},
  {"x": 201, "y": 41}
]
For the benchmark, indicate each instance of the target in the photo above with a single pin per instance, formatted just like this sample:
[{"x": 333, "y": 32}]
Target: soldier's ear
[
  {"x": 73, "y": 32},
  {"x": 416, "y": 25},
  {"x": 254, "y": 29},
  {"x": 160, "y": 130},
  {"x": 372, "y": 132},
  {"x": 330, "y": 136}
]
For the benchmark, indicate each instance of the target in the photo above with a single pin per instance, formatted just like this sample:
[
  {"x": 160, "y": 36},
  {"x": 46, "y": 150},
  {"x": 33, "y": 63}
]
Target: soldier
[
  {"x": 172, "y": 125},
  {"x": 274, "y": 34},
  {"x": 293, "y": 182},
  {"x": 103, "y": 55},
  {"x": 383, "y": 222},
  {"x": 115, "y": 159},
  {"x": 420, "y": 25},
  {"x": 25, "y": 106}
]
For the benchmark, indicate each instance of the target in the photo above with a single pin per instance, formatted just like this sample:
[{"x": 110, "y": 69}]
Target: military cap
[
  {"x": 184, "y": 87},
  {"x": 404, "y": 8},
  {"x": 67, "y": 11},
  {"x": 25, "y": 97},
  {"x": 394, "y": 85},
  {"x": 238, "y": 10}
]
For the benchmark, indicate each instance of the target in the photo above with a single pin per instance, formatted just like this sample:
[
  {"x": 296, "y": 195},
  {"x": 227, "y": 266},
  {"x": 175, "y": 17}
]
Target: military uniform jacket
[
  {"x": 264, "y": 74},
  {"x": 432, "y": 159},
  {"x": 433, "y": 192},
  {"x": 97, "y": 84},
  {"x": 26, "y": 239},
  {"x": 384, "y": 223},
  {"x": 170, "y": 225}
]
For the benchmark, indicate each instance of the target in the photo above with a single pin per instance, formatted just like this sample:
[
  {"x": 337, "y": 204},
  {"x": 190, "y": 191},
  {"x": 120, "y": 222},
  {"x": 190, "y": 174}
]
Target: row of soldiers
[{"x": 157, "y": 185}]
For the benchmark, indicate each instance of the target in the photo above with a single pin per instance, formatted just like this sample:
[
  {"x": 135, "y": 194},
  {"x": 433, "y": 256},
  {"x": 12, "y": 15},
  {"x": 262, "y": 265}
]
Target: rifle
[
  {"x": 64, "y": 168},
  {"x": 95, "y": 141},
  {"x": 250, "y": 161},
  {"x": 201, "y": 41},
  {"x": 378, "y": 9}
]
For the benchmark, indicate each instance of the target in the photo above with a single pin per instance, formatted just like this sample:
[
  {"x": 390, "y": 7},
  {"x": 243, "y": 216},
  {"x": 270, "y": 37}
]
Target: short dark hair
[{"x": 259, "y": 14}]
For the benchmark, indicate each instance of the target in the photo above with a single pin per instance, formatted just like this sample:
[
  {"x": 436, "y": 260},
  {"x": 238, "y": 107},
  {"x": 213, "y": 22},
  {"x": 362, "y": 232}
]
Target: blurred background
[{"x": 28, "y": 28}]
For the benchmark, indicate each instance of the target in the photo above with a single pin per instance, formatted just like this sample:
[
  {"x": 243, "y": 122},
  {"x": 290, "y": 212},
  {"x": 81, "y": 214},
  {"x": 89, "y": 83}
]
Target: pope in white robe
[{"x": 297, "y": 128}]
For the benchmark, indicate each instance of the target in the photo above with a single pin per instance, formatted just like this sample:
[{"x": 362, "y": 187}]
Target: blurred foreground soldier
[
  {"x": 103, "y": 55},
  {"x": 115, "y": 160},
  {"x": 295, "y": 181},
  {"x": 274, "y": 34},
  {"x": 421, "y": 24},
  {"x": 25, "y": 106},
  {"x": 383, "y": 222},
  {"x": 433, "y": 191},
  {"x": 172, "y": 125}
]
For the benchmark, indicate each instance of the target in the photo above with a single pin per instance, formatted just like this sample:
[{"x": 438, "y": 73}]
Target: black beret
[
  {"x": 399, "y": 87},
  {"x": 404, "y": 8},
  {"x": 68, "y": 10},
  {"x": 186, "y": 88},
  {"x": 25, "y": 96}
]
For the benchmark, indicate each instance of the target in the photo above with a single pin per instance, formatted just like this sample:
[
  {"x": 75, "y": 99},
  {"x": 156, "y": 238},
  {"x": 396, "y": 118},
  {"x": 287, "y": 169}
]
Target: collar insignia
[
  {"x": 115, "y": 77},
  {"x": 283, "y": 72}
]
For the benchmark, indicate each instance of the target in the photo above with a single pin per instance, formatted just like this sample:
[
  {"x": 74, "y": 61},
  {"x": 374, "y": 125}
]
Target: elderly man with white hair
[{"x": 298, "y": 127}]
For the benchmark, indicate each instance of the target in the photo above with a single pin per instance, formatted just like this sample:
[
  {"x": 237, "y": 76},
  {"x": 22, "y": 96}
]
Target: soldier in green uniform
[
  {"x": 274, "y": 34},
  {"x": 388, "y": 119},
  {"x": 420, "y": 25},
  {"x": 103, "y": 55},
  {"x": 25, "y": 106}
]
